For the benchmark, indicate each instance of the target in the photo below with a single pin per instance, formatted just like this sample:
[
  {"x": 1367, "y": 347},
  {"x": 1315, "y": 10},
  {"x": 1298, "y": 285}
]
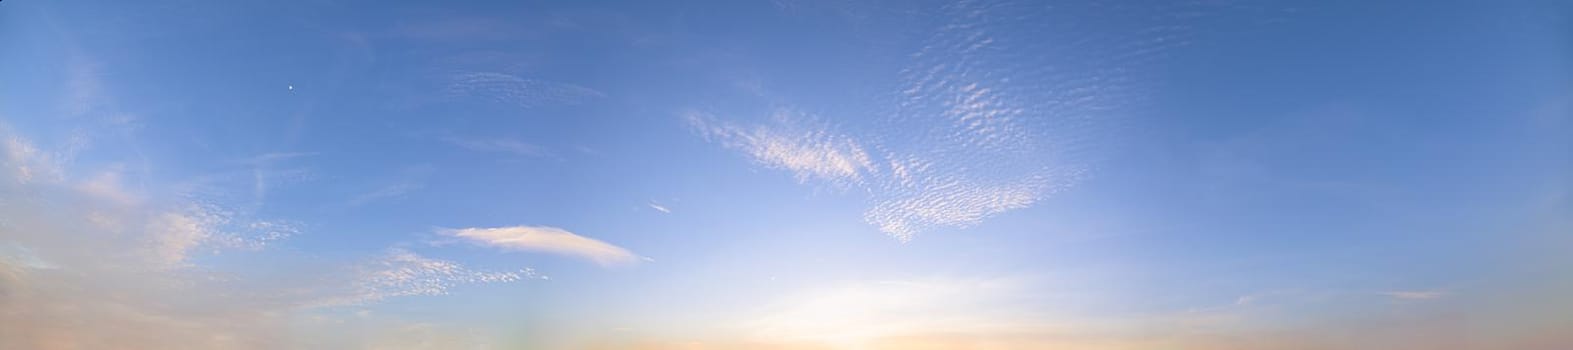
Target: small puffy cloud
[{"x": 546, "y": 239}]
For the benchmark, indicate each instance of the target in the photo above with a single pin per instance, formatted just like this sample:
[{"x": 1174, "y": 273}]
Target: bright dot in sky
[{"x": 291, "y": 88}]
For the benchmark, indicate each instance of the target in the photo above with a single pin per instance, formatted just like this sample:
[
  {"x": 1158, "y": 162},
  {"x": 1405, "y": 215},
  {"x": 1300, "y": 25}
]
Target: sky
[{"x": 788, "y": 174}]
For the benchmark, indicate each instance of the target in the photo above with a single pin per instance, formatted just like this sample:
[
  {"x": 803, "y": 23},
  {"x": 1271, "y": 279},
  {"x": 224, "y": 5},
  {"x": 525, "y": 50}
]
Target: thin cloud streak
[
  {"x": 660, "y": 208},
  {"x": 1415, "y": 295},
  {"x": 546, "y": 239},
  {"x": 409, "y": 180},
  {"x": 513, "y": 90},
  {"x": 508, "y": 146}
]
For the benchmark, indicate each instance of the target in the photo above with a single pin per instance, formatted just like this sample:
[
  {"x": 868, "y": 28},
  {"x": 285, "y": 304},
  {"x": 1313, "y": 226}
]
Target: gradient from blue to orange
[{"x": 786, "y": 174}]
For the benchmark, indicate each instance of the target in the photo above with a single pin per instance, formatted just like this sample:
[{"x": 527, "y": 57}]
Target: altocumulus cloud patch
[{"x": 988, "y": 114}]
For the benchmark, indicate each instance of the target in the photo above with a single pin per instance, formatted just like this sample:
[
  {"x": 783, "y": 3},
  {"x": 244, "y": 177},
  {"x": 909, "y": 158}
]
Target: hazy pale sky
[{"x": 788, "y": 174}]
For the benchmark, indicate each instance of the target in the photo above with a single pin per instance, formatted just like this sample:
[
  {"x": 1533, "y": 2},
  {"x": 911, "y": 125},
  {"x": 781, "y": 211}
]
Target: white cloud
[
  {"x": 660, "y": 208},
  {"x": 954, "y": 203},
  {"x": 971, "y": 131},
  {"x": 810, "y": 152},
  {"x": 912, "y": 192},
  {"x": 404, "y": 273},
  {"x": 546, "y": 239},
  {"x": 26, "y": 163},
  {"x": 107, "y": 186},
  {"x": 176, "y": 233}
]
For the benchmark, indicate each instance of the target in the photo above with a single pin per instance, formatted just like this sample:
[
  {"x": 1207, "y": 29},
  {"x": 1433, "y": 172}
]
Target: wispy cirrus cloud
[
  {"x": 971, "y": 130},
  {"x": 546, "y": 239},
  {"x": 911, "y": 192},
  {"x": 499, "y": 145},
  {"x": 410, "y": 179},
  {"x": 809, "y": 151},
  {"x": 266, "y": 171},
  {"x": 513, "y": 90}
]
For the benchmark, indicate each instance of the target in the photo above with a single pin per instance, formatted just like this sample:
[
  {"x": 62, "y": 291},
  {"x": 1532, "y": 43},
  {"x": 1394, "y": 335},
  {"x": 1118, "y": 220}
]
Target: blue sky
[{"x": 785, "y": 174}]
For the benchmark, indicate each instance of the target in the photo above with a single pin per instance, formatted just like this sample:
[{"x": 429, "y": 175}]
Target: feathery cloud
[
  {"x": 809, "y": 152},
  {"x": 546, "y": 239},
  {"x": 911, "y": 192}
]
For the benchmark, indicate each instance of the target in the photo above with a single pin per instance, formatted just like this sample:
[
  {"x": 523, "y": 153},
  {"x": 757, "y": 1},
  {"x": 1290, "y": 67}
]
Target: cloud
[
  {"x": 509, "y": 146},
  {"x": 546, "y": 239},
  {"x": 87, "y": 263},
  {"x": 25, "y": 162},
  {"x": 659, "y": 208},
  {"x": 404, "y": 273},
  {"x": 408, "y": 180},
  {"x": 970, "y": 129},
  {"x": 953, "y": 202},
  {"x": 466, "y": 29},
  {"x": 267, "y": 158},
  {"x": 391, "y": 191},
  {"x": 84, "y": 87},
  {"x": 107, "y": 186},
  {"x": 264, "y": 179},
  {"x": 1415, "y": 295},
  {"x": 911, "y": 192},
  {"x": 90, "y": 270},
  {"x": 810, "y": 152},
  {"x": 81, "y": 266},
  {"x": 512, "y": 90}
]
